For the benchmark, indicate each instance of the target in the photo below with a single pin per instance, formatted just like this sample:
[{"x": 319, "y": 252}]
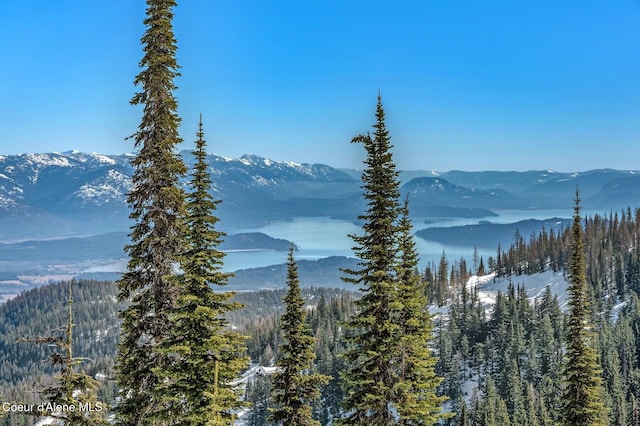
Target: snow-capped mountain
[
  {"x": 71, "y": 193},
  {"x": 46, "y": 180},
  {"x": 60, "y": 194}
]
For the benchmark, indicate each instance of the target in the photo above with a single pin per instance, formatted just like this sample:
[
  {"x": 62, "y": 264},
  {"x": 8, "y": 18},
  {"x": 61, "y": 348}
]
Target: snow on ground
[
  {"x": 488, "y": 287},
  {"x": 617, "y": 308},
  {"x": 253, "y": 371},
  {"x": 535, "y": 284}
]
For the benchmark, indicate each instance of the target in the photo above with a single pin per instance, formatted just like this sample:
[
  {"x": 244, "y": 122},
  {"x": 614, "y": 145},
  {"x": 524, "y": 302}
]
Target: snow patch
[
  {"x": 437, "y": 185},
  {"x": 489, "y": 285},
  {"x": 260, "y": 180},
  {"x": 110, "y": 188},
  {"x": 48, "y": 160},
  {"x": 102, "y": 158},
  {"x": 615, "y": 312}
]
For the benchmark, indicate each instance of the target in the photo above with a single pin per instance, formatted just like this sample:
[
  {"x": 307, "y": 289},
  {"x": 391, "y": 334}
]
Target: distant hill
[
  {"x": 488, "y": 235},
  {"x": 424, "y": 192},
  {"x": 111, "y": 246},
  {"x": 549, "y": 189},
  {"x": 89, "y": 257},
  {"x": 621, "y": 192},
  {"x": 313, "y": 273}
]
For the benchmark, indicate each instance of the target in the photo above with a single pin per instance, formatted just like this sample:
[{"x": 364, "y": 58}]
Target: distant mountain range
[
  {"x": 75, "y": 193},
  {"x": 61, "y": 213}
]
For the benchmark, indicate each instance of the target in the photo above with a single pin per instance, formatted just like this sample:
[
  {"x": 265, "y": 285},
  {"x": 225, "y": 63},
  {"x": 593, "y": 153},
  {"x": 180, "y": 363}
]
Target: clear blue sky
[{"x": 466, "y": 84}]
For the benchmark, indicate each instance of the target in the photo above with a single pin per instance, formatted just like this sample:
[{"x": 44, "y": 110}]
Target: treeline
[
  {"x": 612, "y": 255},
  {"x": 612, "y": 260},
  {"x": 612, "y": 251}
]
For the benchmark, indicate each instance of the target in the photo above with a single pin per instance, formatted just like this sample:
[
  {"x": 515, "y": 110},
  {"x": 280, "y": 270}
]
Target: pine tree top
[
  {"x": 583, "y": 392},
  {"x": 295, "y": 387}
]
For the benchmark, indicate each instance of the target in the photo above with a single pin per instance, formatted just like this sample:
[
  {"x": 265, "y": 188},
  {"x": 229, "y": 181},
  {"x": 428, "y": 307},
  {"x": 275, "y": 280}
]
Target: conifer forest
[{"x": 169, "y": 344}]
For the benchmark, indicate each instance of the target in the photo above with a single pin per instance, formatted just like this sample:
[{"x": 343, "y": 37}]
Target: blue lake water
[{"x": 322, "y": 237}]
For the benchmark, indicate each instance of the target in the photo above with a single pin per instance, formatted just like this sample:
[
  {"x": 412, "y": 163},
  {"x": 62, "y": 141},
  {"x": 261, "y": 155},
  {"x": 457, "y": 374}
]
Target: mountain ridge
[{"x": 72, "y": 193}]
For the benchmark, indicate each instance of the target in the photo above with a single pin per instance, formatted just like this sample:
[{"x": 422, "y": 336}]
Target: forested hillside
[
  {"x": 498, "y": 363},
  {"x": 505, "y": 365},
  {"x": 502, "y": 364},
  {"x": 43, "y": 311},
  {"x": 33, "y": 324}
]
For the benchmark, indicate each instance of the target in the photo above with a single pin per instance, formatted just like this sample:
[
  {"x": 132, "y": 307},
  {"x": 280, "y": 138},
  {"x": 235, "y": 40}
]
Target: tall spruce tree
[
  {"x": 583, "y": 393},
  {"x": 206, "y": 356},
  {"x": 372, "y": 334},
  {"x": 390, "y": 376},
  {"x": 157, "y": 203},
  {"x": 295, "y": 388}
]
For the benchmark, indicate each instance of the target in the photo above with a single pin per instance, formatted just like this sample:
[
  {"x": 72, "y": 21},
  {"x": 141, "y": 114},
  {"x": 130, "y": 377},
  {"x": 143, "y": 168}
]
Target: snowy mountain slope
[
  {"x": 73, "y": 193},
  {"x": 489, "y": 285}
]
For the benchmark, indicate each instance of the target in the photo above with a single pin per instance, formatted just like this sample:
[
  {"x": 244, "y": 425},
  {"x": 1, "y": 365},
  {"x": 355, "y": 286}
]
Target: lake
[{"x": 322, "y": 237}]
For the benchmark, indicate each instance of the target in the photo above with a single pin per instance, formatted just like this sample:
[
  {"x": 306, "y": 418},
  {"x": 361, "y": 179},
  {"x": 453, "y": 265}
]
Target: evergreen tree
[
  {"x": 513, "y": 396},
  {"x": 418, "y": 403},
  {"x": 372, "y": 333},
  {"x": 583, "y": 394},
  {"x": 157, "y": 203},
  {"x": 73, "y": 388},
  {"x": 463, "y": 418},
  {"x": 492, "y": 410},
  {"x": 258, "y": 396},
  {"x": 294, "y": 388},
  {"x": 206, "y": 355},
  {"x": 389, "y": 376}
]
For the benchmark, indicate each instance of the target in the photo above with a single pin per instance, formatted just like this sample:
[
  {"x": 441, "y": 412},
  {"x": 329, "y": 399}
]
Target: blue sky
[{"x": 471, "y": 85}]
